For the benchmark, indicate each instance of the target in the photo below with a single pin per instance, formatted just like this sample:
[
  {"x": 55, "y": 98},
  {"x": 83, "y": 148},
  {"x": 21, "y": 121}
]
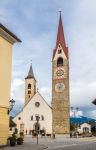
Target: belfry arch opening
[
  {"x": 29, "y": 86},
  {"x": 59, "y": 61}
]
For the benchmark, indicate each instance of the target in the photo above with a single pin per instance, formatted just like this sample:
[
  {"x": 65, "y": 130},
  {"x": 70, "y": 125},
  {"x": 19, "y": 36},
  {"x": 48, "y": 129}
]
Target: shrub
[
  {"x": 20, "y": 141},
  {"x": 12, "y": 140}
]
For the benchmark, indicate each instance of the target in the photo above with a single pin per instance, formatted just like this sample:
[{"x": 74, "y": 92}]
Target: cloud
[
  {"x": 82, "y": 94},
  {"x": 46, "y": 92},
  {"x": 38, "y": 29},
  {"x": 17, "y": 90},
  {"x": 76, "y": 114},
  {"x": 92, "y": 114}
]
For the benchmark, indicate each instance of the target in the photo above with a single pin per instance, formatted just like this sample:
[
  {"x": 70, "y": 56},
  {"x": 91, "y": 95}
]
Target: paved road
[
  {"x": 60, "y": 143},
  {"x": 81, "y": 146}
]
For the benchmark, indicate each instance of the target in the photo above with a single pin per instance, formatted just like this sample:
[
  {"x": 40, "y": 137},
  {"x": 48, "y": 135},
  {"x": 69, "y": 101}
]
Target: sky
[{"x": 35, "y": 22}]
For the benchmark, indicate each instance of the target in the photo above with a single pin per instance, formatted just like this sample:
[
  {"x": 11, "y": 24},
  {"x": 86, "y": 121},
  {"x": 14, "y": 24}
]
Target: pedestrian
[
  {"x": 26, "y": 131},
  {"x": 53, "y": 136},
  {"x": 70, "y": 134},
  {"x": 76, "y": 134}
]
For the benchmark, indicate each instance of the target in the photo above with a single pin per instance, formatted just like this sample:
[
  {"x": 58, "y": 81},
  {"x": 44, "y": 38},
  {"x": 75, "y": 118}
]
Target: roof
[
  {"x": 30, "y": 101},
  {"x": 30, "y": 73},
  {"x": 32, "y": 98},
  {"x": 94, "y": 102},
  {"x": 11, "y": 122},
  {"x": 10, "y": 33},
  {"x": 60, "y": 38}
]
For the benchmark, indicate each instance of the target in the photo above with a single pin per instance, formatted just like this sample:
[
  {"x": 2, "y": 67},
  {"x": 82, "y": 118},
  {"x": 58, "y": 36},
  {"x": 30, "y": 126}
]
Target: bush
[
  {"x": 12, "y": 140},
  {"x": 20, "y": 141},
  {"x": 22, "y": 135}
]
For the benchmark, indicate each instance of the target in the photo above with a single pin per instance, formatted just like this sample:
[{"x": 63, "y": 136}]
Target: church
[
  {"x": 35, "y": 105},
  {"x": 54, "y": 118}
]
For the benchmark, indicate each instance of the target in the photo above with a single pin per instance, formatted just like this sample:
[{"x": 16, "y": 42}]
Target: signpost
[{"x": 37, "y": 126}]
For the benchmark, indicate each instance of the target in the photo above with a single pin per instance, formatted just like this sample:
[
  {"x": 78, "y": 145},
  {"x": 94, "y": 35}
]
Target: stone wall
[{"x": 60, "y": 101}]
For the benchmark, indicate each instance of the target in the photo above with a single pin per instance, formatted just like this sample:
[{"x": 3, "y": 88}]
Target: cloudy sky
[{"x": 35, "y": 22}]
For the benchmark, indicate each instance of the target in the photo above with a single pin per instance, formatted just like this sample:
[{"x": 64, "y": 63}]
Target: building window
[
  {"x": 31, "y": 117},
  {"x": 10, "y": 129},
  {"x": 37, "y": 104},
  {"x": 29, "y": 96},
  {"x": 19, "y": 118},
  {"x": 59, "y": 51},
  {"x": 29, "y": 92},
  {"x": 42, "y": 117},
  {"x": 59, "y": 61},
  {"x": 29, "y": 86}
]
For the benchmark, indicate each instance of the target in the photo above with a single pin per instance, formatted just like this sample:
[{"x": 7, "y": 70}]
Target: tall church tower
[
  {"x": 60, "y": 84},
  {"x": 30, "y": 85}
]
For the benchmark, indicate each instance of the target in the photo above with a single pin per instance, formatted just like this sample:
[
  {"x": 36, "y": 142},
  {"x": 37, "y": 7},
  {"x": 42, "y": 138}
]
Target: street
[
  {"x": 81, "y": 146},
  {"x": 60, "y": 143}
]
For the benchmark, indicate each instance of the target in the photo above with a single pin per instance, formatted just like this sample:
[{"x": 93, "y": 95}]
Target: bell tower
[
  {"x": 60, "y": 84},
  {"x": 30, "y": 85}
]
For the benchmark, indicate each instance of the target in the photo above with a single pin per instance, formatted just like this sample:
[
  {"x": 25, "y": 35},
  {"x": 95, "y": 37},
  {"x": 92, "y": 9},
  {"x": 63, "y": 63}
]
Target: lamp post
[
  {"x": 94, "y": 101},
  {"x": 74, "y": 110},
  {"x": 12, "y": 103},
  {"x": 37, "y": 125}
]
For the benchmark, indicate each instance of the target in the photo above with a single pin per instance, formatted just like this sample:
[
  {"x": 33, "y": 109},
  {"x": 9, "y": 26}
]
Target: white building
[
  {"x": 35, "y": 105},
  {"x": 84, "y": 128}
]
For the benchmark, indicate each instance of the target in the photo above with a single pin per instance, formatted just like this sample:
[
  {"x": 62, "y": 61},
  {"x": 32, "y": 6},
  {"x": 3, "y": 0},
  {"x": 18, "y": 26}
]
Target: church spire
[
  {"x": 60, "y": 38},
  {"x": 30, "y": 73}
]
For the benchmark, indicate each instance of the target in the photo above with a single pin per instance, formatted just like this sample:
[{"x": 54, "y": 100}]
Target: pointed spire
[
  {"x": 30, "y": 73},
  {"x": 60, "y": 37}
]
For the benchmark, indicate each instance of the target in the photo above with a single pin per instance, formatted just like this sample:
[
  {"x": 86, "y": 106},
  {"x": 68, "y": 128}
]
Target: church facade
[
  {"x": 35, "y": 105},
  {"x": 53, "y": 118}
]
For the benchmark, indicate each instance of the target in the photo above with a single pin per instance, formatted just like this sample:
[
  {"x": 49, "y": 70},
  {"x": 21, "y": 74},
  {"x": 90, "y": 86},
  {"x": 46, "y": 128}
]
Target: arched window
[
  {"x": 19, "y": 118},
  {"x": 29, "y": 92},
  {"x": 31, "y": 117},
  {"x": 59, "y": 61},
  {"x": 29, "y": 86},
  {"x": 59, "y": 51},
  {"x": 42, "y": 117}
]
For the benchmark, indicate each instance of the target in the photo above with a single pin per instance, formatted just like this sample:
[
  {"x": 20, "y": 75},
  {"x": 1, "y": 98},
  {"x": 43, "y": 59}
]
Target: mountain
[{"x": 81, "y": 119}]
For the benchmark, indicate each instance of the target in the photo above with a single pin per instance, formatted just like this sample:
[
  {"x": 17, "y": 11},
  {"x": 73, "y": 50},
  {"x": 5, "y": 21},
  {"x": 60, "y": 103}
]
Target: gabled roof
[
  {"x": 10, "y": 33},
  {"x": 30, "y": 73},
  {"x": 30, "y": 101},
  {"x": 40, "y": 96},
  {"x": 60, "y": 38},
  {"x": 11, "y": 122}
]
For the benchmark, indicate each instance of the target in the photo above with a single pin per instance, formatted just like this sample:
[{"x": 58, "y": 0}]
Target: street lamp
[
  {"x": 37, "y": 125},
  {"x": 12, "y": 103},
  {"x": 94, "y": 101},
  {"x": 74, "y": 110}
]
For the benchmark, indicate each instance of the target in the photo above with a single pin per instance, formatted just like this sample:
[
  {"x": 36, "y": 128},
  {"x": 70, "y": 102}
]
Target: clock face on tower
[
  {"x": 59, "y": 73},
  {"x": 59, "y": 87}
]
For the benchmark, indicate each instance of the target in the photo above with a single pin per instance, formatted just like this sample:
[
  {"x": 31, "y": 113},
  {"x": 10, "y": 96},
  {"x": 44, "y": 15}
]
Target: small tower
[
  {"x": 60, "y": 84},
  {"x": 30, "y": 85}
]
